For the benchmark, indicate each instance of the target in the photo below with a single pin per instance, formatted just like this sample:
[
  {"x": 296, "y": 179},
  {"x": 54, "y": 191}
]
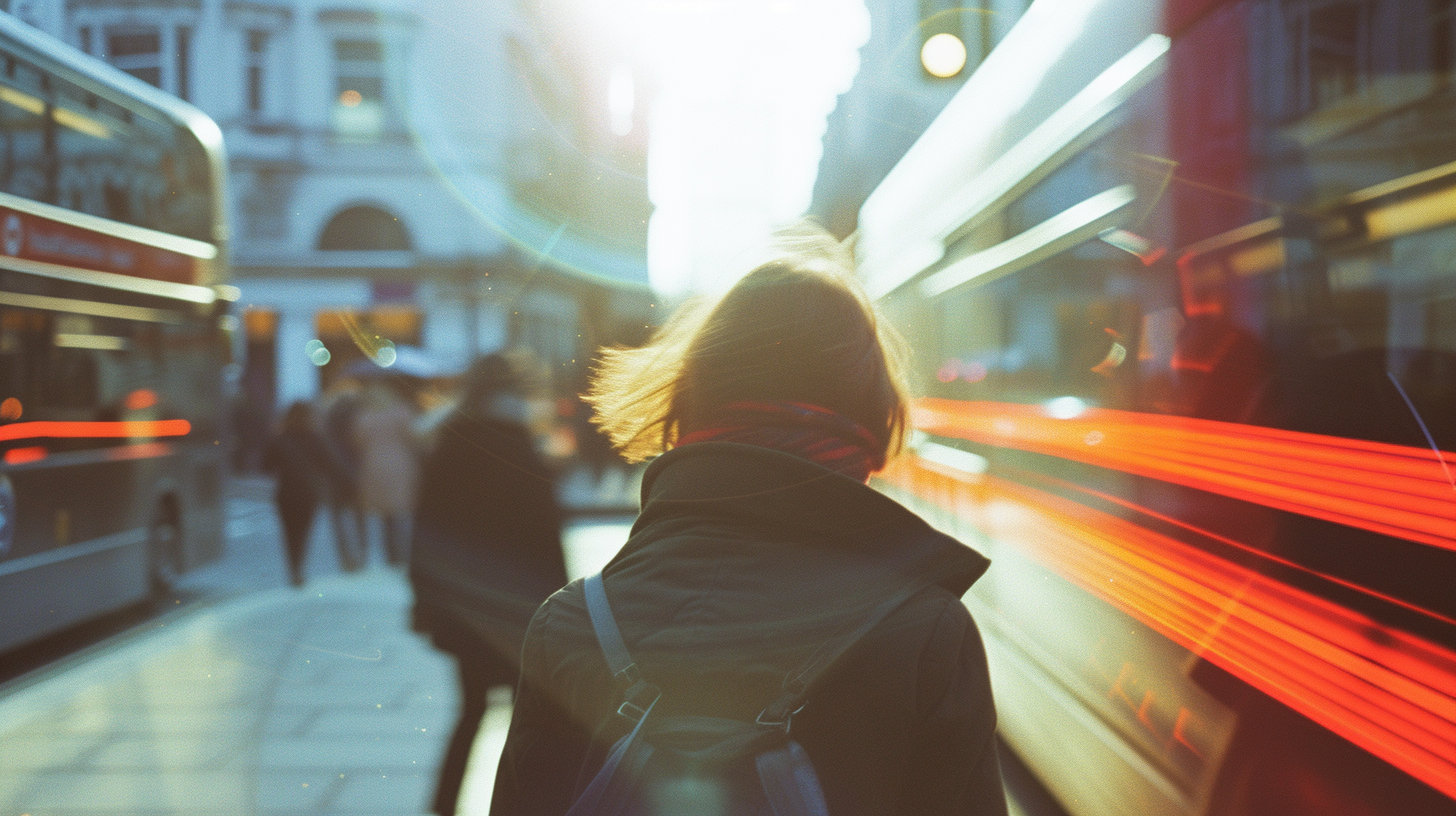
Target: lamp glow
[{"x": 943, "y": 55}]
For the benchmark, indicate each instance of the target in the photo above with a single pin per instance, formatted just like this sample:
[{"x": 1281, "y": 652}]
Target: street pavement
[{"x": 263, "y": 699}]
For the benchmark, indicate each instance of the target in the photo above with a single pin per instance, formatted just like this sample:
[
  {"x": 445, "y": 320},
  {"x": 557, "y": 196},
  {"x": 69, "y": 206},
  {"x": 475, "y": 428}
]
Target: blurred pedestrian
[
  {"x": 487, "y": 546},
  {"x": 593, "y": 447},
  {"x": 250, "y": 432},
  {"x": 337, "y": 409},
  {"x": 388, "y": 463},
  {"x": 760, "y": 544},
  {"x": 302, "y": 464}
]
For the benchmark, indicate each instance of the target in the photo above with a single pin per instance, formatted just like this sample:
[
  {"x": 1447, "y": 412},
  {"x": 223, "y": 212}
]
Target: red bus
[
  {"x": 114, "y": 337},
  {"x": 1180, "y": 282}
]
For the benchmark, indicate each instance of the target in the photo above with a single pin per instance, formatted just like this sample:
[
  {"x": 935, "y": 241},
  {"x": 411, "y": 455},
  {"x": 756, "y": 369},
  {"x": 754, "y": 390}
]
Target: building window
[
  {"x": 184, "y": 62},
  {"x": 358, "y": 109},
  {"x": 1331, "y": 44},
  {"x": 256, "y": 60},
  {"x": 359, "y": 69},
  {"x": 138, "y": 52},
  {"x": 83, "y": 39}
]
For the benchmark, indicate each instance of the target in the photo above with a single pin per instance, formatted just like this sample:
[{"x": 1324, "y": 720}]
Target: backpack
[{"x": 707, "y": 766}]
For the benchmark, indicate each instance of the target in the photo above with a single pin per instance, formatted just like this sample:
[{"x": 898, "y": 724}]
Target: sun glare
[{"x": 742, "y": 91}]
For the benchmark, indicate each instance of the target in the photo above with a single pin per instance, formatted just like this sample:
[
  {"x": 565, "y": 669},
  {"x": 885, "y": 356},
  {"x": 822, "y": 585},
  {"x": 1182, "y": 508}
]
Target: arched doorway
[{"x": 364, "y": 228}]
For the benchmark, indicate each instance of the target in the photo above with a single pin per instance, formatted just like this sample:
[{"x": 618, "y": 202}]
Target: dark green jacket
[
  {"x": 743, "y": 561},
  {"x": 487, "y": 537}
]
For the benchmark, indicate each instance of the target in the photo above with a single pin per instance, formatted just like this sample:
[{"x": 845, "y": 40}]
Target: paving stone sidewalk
[{"x": 283, "y": 701}]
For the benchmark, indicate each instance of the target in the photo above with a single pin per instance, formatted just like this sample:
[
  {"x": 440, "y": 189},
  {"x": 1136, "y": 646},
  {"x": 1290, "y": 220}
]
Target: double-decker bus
[
  {"x": 1180, "y": 282},
  {"x": 114, "y": 337}
]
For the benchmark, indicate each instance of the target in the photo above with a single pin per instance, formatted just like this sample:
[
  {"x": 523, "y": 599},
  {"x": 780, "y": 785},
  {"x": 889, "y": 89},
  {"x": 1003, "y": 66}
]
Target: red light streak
[
  {"x": 95, "y": 430},
  {"x": 1385, "y": 690},
  {"x": 1180, "y": 735},
  {"x": 21, "y": 456},
  {"x": 1389, "y": 489},
  {"x": 1142, "y": 712},
  {"x": 1268, "y": 556}
]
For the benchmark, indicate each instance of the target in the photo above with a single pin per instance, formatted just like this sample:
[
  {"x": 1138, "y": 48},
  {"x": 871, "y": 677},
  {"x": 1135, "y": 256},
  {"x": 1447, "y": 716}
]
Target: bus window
[
  {"x": 25, "y": 167},
  {"x": 188, "y": 204},
  {"x": 88, "y": 145},
  {"x": 91, "y": 155}
]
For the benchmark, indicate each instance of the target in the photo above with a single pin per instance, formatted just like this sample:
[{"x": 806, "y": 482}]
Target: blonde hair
[{"x": 798, "y": 328}]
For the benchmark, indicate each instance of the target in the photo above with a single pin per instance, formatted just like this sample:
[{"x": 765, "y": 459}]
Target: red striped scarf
[{"x": 806, "y": 431}]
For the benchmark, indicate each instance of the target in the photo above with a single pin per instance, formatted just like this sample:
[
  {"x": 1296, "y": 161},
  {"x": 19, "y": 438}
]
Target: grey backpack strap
[
  {"x": 605, "y": 625},
  {"x": 790, "y": 782},
  {"x": 639, "y": 695}
]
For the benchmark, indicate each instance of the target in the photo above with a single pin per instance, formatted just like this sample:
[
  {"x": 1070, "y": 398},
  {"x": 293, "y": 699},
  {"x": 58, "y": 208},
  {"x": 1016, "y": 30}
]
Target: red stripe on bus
[
  {"x": 95, "y": 430},
  {"x": 110, "y": 453},
  {"x": 1390, "y": 489},
  {"x": 21, "y": 456},
  {"x": 51, "y": 241},
  {"x": 1385, "y": 690}
]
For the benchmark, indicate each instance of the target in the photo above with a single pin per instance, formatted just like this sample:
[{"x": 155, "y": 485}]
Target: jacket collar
[{"x": 782, "y": 498}]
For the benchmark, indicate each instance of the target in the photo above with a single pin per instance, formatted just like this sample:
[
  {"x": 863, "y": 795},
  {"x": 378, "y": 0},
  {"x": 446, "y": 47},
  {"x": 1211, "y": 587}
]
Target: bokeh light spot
[
  {"x": 137, "y": 400},
  {"x": 386, "y": 355},
  {"x": 317, "y": 352},
  {"x": 1064, "y": 407},
  {"x": 943, "y": 55}
]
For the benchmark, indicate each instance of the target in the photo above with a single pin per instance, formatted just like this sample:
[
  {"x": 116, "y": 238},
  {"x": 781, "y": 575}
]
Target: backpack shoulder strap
[
  {"x": 798, "y": 682},
  {"x": 639, "y": 696},
  {"x": 609, "y": 637}
]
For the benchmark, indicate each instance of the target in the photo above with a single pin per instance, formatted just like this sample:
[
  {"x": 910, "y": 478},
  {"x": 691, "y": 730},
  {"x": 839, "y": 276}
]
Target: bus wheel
[{"x": 164, "y": 550}]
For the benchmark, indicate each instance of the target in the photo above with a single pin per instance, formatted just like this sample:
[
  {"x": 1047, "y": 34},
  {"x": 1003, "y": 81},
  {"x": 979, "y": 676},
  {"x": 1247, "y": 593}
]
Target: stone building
[{"x": 396, "y": 177}]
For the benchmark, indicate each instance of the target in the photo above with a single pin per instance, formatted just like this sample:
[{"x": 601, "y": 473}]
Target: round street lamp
[{"x": 943, "y": 55}]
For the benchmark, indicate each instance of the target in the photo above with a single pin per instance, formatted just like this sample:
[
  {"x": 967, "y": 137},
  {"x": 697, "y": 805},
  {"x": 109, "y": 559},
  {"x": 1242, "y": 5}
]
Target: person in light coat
[{"x": 389, "y": 468}]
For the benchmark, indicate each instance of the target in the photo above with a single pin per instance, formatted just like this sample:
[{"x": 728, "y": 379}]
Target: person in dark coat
[
  {"x": 486, "y": 549},
  {"x": 303, "y": 465},
  {"x": 758, "y": 542}
]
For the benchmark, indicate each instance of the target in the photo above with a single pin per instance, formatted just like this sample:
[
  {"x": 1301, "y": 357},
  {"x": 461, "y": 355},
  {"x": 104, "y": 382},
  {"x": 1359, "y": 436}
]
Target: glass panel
[
  {"x": 137, "y": 52},
  {"x": 133, "y": 43},
  {"x": 27, "y": 158},
  {"x": 359, "y": 51}
]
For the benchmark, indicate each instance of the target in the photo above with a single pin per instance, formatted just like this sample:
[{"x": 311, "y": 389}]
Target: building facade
[{"x": 384, "y": 168}]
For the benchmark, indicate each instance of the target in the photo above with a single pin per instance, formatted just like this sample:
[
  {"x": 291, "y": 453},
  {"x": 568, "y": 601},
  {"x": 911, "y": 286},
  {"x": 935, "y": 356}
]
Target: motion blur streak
[
  {"x": 1389, "y": 489},
  {"x": 1390, "y": 692},
  {"x": 96, "y": 430},
  {"x": 24, "y": 456},
  {"x": 1255, "y": 551}
]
